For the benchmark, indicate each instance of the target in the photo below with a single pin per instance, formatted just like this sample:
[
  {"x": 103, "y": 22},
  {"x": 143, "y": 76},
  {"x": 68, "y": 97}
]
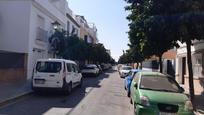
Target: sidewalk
[
  {"x": 199, "y": 101},
  {"x": 10, "y": 92}
]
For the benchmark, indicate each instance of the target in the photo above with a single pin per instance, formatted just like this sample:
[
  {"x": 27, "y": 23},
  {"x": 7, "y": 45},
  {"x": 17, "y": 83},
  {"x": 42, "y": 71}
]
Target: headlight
[
  {"x": 188, "y": 105},
  {"x": 144, "y": 101}
]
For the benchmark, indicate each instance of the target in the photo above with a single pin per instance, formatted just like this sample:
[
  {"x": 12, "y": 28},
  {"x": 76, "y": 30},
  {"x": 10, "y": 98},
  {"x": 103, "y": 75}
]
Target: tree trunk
[
  {"x": 190, "y": 70},
  {"x": 140, "y": 65},
  {"x": 137, "y": 65},
  {"x": 160, "y": 64}
]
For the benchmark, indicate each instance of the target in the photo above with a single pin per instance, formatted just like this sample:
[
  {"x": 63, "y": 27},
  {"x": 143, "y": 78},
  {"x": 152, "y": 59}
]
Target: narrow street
[{"x": 103, "y": 95}]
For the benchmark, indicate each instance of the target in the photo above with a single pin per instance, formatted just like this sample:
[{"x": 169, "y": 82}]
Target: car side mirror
[
  {"x": 135, "y": 85},
  {"x": 182, "y": 89}
]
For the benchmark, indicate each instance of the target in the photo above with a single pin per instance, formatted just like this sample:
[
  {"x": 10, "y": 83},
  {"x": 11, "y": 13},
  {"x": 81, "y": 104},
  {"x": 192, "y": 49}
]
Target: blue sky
[{"x": 109, "y": 17}]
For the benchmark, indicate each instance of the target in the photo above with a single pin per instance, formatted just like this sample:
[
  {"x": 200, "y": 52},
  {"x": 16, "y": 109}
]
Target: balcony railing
[{"x": 42, "y": 35}]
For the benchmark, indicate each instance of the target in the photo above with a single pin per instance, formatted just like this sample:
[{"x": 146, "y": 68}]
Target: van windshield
[{"x": 49, "y": 67}]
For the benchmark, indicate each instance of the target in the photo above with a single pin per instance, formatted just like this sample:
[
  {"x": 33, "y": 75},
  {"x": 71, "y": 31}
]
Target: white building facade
[
  {"x": 25, "y": 27},
  {"x": 197, "y": 52},
  {"x": 88, "y": 31}
]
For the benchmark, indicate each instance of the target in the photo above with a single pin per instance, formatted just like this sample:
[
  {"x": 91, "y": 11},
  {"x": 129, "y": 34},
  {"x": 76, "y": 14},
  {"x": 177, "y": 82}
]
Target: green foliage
[
  {"x": 74, "y": 48},
  {"x": 157, "y": 25}
]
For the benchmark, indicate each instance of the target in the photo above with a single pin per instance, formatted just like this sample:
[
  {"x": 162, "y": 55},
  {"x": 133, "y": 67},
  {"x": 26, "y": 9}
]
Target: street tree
[
  {"x": 72, "y": 47},
  {"x": 181, "y": 20}
]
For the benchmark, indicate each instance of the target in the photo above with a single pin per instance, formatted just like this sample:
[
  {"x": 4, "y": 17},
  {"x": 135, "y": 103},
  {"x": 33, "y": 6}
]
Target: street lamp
[{"x": 56, "y": 25}]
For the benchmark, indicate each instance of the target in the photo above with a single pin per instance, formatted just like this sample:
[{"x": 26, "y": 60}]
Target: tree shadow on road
[{"x": 43, "y": 103}]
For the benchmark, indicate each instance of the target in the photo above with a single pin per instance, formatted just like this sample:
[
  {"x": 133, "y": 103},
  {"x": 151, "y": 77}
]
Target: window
[
  {"x": 197, "y": 65},
  {"x": 40, "y": 22},
  {"x": 159, "y": 83},
  {"x": 41, "y": 33},
  {"x": 76, "y": 68},
  {"x": 86, "y": 38},
  {"x": 48, "y": 67},
  {"x": 73, "y": 68},
  {"x": 69, "y": 68}
]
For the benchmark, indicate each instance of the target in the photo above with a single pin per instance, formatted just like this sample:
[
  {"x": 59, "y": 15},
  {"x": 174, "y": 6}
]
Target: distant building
[
  {"x": 73, "y": 27},
  {"x": 182, "y": 76},
  {"x": 88, "y": 31},
  {"x": 168, "y": 62}
]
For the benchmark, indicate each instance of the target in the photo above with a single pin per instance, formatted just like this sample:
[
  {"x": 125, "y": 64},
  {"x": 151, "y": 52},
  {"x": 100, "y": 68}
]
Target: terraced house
[
  {"x": 88, "y": 31},
  {"x": 25, "y": 27},
  {"x": 197, "y": 50}
]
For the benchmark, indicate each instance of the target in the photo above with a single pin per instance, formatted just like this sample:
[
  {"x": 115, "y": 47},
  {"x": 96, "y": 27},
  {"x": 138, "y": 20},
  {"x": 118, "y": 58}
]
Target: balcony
[{"x": 42, "y": 35}]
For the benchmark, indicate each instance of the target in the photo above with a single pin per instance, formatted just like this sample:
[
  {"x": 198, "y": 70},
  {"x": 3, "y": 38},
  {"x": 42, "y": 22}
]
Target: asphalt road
[{"x": 103, "y": 95}]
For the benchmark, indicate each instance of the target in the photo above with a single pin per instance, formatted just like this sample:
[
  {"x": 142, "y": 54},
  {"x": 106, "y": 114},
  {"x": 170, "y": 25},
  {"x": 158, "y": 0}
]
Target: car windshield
[
  {"x": 126, "y": 68},
  {"x": 49, "y": 67},
  {"x": 159, "y": 83}
]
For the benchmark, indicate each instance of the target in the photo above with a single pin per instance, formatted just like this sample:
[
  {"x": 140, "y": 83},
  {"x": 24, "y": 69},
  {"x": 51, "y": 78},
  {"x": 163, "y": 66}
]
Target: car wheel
[
  {"x": 130, "y": 100},
  {"x": 134, "y": 109},
  {"x": 69, "y": 88}
]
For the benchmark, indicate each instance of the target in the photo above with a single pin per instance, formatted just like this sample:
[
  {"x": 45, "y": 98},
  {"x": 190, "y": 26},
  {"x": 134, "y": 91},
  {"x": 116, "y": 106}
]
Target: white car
[
  {"x": 124, "y": 70},
  {"x": 56, "y": 74},
  {"x": 90, "y": 69}
]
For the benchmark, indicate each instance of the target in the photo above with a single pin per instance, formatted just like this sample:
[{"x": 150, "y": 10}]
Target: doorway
[{"x": 183, "y": 70}]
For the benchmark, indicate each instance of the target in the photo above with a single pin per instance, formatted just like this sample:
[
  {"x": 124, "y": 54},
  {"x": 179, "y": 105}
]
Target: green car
[{"x": 153, "y": 93}]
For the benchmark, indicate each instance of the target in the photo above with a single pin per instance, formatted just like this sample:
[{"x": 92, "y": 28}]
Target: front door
[{"x": 183, "y": 70}]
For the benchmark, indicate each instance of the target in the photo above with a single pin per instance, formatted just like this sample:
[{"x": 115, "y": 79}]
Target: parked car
[
  {"x": 153, "y": 93},
  {"x": 119, "y": 67},
  {"x": 56, "y": 74},
  {"x": 100, "y": 69},
  {"x": 105, "y": 66},
  {"x": 128, "y": 80},
  {"x": 124, "y": 71},
  {"x": 89, "y": 70}
]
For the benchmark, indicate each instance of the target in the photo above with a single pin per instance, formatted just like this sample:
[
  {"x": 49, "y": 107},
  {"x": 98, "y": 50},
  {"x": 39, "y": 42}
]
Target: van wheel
[
  {"x": 69, "y": 88},
  {"x": 81, "y": 82},
  {"x": 135, "y": 108}
]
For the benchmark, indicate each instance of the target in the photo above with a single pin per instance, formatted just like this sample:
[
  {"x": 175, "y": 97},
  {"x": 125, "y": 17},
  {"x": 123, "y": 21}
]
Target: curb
[{"x": 14, "y": 98}]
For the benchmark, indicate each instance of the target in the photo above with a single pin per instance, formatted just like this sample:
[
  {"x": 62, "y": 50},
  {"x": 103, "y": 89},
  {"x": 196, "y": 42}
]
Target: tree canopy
[
  {"x": 157, "y": 25},
  {"x": 72, "y": 47}
]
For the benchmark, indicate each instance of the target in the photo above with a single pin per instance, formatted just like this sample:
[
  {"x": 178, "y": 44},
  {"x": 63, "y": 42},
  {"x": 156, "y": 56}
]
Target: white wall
[
  {"x": 39, "y": 49},
  {"x": 197, "y": 46},
  {"x": 50, "y": 9},
  {"x": 14, "y": 25}
]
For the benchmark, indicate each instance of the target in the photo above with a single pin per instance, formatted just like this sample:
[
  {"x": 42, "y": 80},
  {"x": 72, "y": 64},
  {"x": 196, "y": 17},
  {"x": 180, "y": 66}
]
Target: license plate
[
  {"x": 39, "y": 81},
  {"x": 164, "y": 113}
]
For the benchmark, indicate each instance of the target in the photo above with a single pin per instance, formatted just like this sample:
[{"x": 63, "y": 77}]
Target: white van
[{"x": 56, "y": 74}]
